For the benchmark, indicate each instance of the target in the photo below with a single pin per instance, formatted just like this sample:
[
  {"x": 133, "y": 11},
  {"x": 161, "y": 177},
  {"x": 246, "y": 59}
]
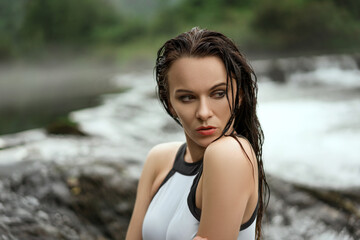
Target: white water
[
  {"x": 311, "y": 126},
  {"x": 312, "y": 141}
]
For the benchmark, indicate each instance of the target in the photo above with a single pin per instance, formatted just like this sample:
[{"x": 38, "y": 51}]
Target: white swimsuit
[{"x": 172, "y": 213}]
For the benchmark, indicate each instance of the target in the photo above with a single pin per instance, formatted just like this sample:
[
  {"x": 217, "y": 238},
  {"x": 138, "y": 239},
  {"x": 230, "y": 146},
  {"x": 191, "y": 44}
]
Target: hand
[{"x": 199, "y": 238}]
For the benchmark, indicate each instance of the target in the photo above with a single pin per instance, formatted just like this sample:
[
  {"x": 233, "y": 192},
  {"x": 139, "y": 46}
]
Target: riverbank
[
  {"x": 68, "y": 187},
  {"x": 82, "y": 187}
]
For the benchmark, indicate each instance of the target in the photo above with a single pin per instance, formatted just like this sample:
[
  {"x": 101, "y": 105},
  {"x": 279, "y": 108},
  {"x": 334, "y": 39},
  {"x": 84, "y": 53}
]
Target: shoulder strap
[
  {"x": 191, "y": 200},
  {"x": 179, "y": 158}
]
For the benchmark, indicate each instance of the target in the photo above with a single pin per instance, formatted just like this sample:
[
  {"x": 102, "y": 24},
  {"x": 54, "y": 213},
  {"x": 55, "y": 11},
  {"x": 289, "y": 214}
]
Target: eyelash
[
  {"x": 217, "y": 95},
  {"x": 186, "y": 98},
  {"x": 221, "y": 92}
]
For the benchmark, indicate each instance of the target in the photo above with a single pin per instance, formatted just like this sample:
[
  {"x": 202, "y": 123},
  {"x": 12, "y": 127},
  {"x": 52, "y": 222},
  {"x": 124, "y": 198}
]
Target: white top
[{"x": 172, "y": 213}]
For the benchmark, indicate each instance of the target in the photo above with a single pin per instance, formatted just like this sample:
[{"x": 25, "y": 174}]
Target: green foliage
[
  {"x": 304, "y": 25},
  {"x": 64, "y": 125},
  {"x": 352, "y": 6},
  {"x": 10, "y": 23},
  {"x": 119, "y": 33},
  {"x": 55, "y": 21},
  {"x": 211, "y": 14},
  {"x": 260, "y": 24}
]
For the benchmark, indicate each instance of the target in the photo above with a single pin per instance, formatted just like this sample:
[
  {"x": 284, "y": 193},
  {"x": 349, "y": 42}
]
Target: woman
[{"x": 213, "y": 186}]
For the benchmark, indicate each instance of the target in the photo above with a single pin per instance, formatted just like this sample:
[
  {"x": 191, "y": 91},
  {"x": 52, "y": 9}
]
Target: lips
[{"x": 206, "y": 130}]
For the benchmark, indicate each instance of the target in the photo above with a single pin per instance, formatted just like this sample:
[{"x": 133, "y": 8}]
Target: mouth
[{"x": 206, "y": 130}]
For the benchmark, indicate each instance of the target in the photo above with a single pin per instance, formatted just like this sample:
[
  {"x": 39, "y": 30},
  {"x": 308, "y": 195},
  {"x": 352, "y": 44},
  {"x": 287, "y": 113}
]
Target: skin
[
  {"x": 227, "y": 191},
  {"x": 197, "y": 102}
]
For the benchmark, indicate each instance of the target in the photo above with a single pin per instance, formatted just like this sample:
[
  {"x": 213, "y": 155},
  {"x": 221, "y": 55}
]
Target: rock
[
  {"x": 105, "y": 199},
  {"x": 39, "y": 202},
  {"x": 95, "y": 201},
  {"x": 64, "y": 126},
  {"x": 295, "y": 213},
  {"x": 83, "y": 187},
  {"x": 276, "y": 74}
]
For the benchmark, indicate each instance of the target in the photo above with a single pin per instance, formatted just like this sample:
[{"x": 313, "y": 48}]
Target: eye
[
  {"x": 186, "y": 98},
  {"x": 219, "y": 94}
]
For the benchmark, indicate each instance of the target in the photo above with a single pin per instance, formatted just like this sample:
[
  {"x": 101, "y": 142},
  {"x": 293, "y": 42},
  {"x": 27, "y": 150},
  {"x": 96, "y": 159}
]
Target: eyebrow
[{"x": 212, "y": 88}]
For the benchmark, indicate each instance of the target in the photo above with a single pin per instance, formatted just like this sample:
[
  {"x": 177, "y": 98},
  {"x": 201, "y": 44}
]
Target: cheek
[
  {"x": 222, "y": 108},
  {"x": 172, "y": 107},
  {"x": 184, "y": 114}
]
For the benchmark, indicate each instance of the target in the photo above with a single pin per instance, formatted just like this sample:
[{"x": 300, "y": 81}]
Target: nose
[{"x": 204, "y": 110}]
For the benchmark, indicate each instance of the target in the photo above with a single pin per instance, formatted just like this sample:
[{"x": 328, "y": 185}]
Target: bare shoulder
[
  {"x": 158, "y": 159},
  {"x": 228, "y": 149},
  {"x": 229, "y": 187},
  {"x": 163, "y": 150},
  {"x": 162, "y": 155}
]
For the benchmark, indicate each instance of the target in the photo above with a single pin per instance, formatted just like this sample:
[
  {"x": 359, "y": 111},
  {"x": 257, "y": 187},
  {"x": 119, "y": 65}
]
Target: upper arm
[
  {"x": 228, "y": 182},
  {"x": 156, "y": 161},
  {"x": 143, "y": 197}
]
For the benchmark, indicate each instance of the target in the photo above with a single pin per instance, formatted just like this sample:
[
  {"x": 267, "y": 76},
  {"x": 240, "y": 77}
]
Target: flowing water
[
  {"x": 311, "y": 121},
  {"x": 309, "y": 109}
]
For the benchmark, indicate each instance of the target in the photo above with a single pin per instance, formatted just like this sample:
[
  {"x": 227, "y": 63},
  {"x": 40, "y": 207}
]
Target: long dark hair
[{"x": 201, "y": 43}]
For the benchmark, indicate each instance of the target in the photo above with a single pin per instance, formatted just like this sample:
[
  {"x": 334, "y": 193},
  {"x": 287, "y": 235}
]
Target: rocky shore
[
  {"x": 74, "y": 199},
  {"x": 81, "y": 185},
  {"x": 86, "y": 196}
]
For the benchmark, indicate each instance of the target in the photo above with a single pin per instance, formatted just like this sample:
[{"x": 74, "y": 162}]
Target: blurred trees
[
  {"x": 266, "y": 25},
  {"x": 53, "y": 21},
  {"x": 304, "y": 25},
  {"x": 29, "y": 25},
  {"x": 10, "y": 24}
]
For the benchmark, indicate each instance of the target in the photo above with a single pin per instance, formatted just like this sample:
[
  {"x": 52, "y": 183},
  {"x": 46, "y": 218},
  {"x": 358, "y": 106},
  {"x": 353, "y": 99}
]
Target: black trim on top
[
  {"x": 180, "y": 166},
  {"x": 252, "y": 218},
  {"x": 196, "y": 212},
  {"x": 191, "y": 200},
  {"x": 185, "y": 168}
]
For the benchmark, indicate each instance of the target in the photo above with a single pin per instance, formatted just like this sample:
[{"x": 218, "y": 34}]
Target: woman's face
[{"x": 197, "y": 93}]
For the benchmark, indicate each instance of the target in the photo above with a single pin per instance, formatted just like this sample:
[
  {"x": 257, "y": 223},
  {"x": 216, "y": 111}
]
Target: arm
[
  {"x": 157, "y": 164},
  {"x": 228, "y": 183},
  {"x": 142, "y": 201}
]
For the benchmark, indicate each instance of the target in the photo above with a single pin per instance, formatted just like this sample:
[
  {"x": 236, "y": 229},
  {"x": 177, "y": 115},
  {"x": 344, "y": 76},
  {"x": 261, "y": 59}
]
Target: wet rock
[
  {"x": 357, "y": 59},
  {"x": 64, "y": 126},
  {"x": 276, "y": 73},
  {"x": 295, "y": 213},
  {"x": 104, "y": 197},
  {"x": 282, "y": 70},
  {"x": 71, "y": 187},
  {"x": 95, "y": 201},
  {"x": 48, "y": 201}
]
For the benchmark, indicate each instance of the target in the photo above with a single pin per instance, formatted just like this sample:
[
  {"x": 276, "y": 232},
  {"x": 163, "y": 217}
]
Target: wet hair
[{"x": 203, "y": 43}]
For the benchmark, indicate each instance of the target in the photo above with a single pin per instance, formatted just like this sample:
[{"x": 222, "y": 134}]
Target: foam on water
[
  {"x": 312, "y": 142},
  {"x": 309, "y": 139},
  {"x": 312, "y": 137},
  {"x": 328, "y": 76}
]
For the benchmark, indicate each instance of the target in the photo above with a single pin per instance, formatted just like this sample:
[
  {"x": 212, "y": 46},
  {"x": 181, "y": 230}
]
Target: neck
[{"x": 194, "y": 152}]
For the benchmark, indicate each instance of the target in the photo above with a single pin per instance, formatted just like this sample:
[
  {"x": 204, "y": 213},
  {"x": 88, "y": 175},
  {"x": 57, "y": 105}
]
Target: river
[
  {"x": 311, "y": 120},
  {"x": 309, "y": 109}
]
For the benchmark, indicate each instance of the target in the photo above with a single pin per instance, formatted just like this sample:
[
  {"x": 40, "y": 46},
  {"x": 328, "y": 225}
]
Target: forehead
[{"x": 195, "y": 73}]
